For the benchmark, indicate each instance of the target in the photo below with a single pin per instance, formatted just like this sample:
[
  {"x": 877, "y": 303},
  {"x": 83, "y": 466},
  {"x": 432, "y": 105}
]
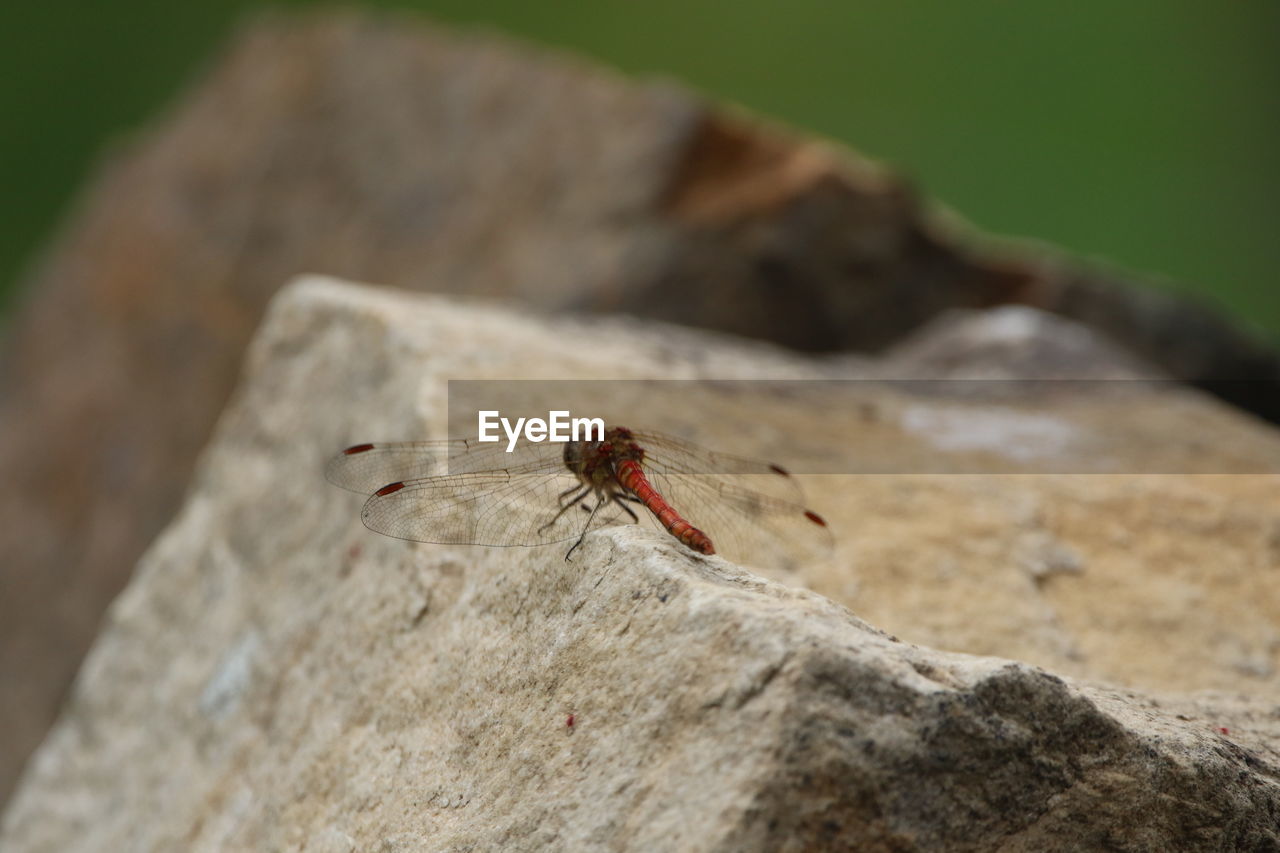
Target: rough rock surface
[
  {"x": 381, "y": 149},
  {"x": 277, "y": 677}
]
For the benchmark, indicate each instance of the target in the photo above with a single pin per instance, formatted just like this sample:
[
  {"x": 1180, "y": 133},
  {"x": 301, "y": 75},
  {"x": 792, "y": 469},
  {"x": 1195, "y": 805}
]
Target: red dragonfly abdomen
[{"x": 633, "y": 479}]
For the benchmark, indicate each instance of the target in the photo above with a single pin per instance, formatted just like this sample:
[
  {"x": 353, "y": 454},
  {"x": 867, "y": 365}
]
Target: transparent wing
[
  {"x": 504, "y": 507},
  {"x": 365, "y": 468},
  {"x": 678, "y": 456},
  {"x": 751, "y": 510},
  {"x": 746, "y": 526}
]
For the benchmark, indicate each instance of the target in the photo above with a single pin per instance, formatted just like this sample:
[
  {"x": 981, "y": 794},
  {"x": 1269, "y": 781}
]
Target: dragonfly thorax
[{"x": 595, "y": 462}]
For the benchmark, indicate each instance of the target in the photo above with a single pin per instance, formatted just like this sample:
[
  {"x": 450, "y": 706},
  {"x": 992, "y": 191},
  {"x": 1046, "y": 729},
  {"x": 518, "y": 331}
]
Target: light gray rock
[
  {"x": 276, "y": 677},
  {"x": 1012, "y": 342}
]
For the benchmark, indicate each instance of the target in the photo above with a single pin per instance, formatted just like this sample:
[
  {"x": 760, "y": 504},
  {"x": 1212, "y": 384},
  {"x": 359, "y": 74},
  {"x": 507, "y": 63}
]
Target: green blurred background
[{"x": 1143, "y": 132}]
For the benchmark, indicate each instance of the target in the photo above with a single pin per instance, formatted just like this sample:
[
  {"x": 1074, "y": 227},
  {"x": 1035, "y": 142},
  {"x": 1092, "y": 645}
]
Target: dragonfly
[{"x": 465, "y": 492}]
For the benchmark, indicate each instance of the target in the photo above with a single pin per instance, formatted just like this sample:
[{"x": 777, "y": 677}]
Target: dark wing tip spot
[
  {"x": 815, "y": 518},
  {"x": 389, "y": 488},
  {"x": 778, "y": 469},
  {"x": 357, "y": 448}
]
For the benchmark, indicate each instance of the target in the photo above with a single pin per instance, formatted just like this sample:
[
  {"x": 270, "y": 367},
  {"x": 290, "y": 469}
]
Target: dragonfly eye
[{"x": 573, "y": 455}]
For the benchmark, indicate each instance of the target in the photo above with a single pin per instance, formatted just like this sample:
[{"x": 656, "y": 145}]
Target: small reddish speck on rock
[{"x": 568, "y": 723}]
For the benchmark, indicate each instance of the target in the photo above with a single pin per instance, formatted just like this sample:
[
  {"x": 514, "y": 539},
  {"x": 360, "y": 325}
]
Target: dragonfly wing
[
  {"x": 507, "y": 507},
  {"x": 746, "y": 525},
  {"x": 676, "y": 456},
  {"x": 368, "y": 467}
]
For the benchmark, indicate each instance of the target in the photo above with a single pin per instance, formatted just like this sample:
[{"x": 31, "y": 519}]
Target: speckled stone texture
[{"x": 277, "y": 677}]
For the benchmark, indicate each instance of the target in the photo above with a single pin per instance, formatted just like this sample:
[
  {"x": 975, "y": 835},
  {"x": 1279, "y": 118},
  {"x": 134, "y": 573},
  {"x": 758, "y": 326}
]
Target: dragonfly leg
[
  {"x": 586, "y": 490},
  {"x": 586, "y": 528},
  {"x": 618, "y": 499},
  {"x": 570, "y": 491}
]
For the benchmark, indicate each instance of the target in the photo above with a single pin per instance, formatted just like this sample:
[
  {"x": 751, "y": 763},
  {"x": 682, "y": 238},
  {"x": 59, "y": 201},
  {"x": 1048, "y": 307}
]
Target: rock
[
  {"x": 1181, "y": 336},
  {"x": 378, "y": 148},
  {"x": 1014, "y": 343},
  {"x": 277, "y": 676}
]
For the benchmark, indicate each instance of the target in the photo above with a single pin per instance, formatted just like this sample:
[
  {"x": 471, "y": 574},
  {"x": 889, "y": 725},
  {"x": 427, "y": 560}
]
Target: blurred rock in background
[{"x": 388, "y": 151}]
